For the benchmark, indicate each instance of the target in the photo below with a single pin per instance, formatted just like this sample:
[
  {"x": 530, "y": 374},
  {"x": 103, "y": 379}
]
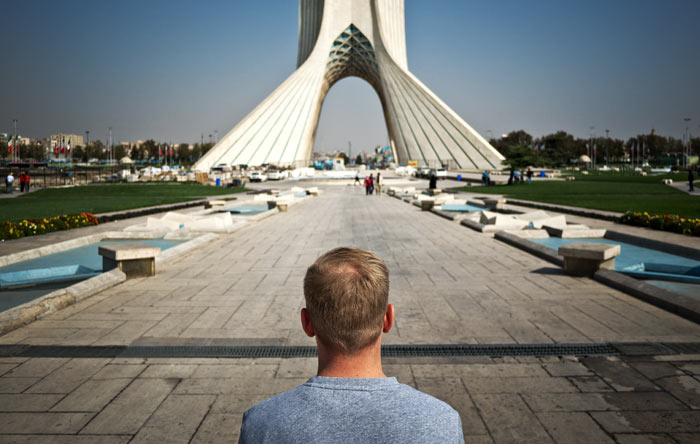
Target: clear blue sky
[{"x": 172, "y": 70}]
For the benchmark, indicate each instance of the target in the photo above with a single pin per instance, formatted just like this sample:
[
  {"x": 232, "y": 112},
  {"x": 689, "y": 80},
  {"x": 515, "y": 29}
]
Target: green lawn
[
  {"x": 611, "y": 192},
  {"x": 103, "y": 198}
]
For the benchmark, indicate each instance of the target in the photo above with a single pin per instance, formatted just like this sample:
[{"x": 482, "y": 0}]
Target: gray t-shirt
[{"x": 344, "y": 410}]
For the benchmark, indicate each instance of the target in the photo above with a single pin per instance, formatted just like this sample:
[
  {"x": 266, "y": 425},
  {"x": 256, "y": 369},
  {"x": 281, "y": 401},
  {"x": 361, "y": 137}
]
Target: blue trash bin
[
  {"x": 459, "y": 177},
  {"x": 218, "y": 182}
]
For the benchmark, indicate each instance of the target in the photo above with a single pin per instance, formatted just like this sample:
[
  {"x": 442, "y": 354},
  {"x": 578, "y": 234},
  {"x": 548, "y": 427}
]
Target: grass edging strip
[
  {"x": 576, "y": 211},
  {"x": 127, "y": 214}
]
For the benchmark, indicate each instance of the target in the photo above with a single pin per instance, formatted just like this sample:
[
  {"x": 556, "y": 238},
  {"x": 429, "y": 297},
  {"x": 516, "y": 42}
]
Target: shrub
[
  {"x": 666, "y": 222},
  {"x": 31, "y": 227}
]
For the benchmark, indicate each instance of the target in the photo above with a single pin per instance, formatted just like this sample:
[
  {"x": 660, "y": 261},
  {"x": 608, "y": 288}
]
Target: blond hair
[{"x": 347, "y": 292}]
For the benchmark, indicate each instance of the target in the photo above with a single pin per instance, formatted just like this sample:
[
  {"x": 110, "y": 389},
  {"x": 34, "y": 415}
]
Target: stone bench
[
  {"x": 584, "y": 258},
  {"x": 426, "y": 204},
  {"x": 282, "y": 206},
  {"x": 214, "y": 203},
  {"x": 493, "y": 204},
  {"x": 134, "y": 260}
]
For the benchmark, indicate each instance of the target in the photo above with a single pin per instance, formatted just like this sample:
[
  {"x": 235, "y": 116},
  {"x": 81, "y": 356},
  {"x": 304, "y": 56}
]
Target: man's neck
[{"x": 366, "y": 363}]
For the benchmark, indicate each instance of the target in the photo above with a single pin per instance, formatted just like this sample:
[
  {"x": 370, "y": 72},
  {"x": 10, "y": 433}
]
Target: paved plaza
[{"x": 449, "y": 284}]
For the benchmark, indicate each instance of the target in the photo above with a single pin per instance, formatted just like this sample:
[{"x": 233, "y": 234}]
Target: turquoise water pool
[
  {"x": 679, "y": 274},
  {"x": 461, "y": 208},
  {"x": 85, "y": 256},
  {"x": 247, "y": 209},
  {"x": 28, "y": 280}
]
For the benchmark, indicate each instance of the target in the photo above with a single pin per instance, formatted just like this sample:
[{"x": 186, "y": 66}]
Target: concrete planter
[{"x": 282, "y": 207}]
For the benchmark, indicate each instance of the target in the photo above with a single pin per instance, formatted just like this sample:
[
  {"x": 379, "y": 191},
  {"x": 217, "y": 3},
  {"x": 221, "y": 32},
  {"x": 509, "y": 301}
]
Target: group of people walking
[
  {"x": 24, "y": 181},
  {"x": 371, "y": 184}
]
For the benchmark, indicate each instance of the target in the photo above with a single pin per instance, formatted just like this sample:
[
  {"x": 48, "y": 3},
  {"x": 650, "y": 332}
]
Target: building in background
[{"x": 63, "y": 139}]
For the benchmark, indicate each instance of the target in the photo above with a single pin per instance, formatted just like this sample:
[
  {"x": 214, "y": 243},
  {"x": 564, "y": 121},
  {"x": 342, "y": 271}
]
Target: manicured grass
[
  {"x": 103, "y": 198},
  {"x": 621, "y": 192}
]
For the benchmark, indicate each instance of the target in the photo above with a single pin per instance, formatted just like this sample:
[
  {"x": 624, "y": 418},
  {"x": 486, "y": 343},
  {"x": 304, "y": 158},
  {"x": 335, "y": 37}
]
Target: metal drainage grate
[
  {"x": 687, "y": 348},
  {"x": 253, "y": 351},
  {"x": 72, "y": 351},
  {"x": 497, "y": 350},
  {"x": 389, "y": 351},
  {"x": 641, "y": 348}
]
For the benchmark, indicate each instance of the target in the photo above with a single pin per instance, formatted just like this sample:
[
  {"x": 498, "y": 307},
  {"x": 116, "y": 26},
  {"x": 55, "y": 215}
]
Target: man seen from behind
[{"x": 350, "y": 400}]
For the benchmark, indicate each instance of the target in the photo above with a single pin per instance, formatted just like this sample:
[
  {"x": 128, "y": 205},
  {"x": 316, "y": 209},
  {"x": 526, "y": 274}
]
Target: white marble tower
[{"x": 366, "y": 39}]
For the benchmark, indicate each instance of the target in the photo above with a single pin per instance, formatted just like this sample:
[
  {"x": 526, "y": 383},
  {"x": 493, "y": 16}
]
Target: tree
[
  {"x": 512, "y": 139},
  {"x": 119, "y": 152},
  {"x": 150, "y": 148},
  {"x": 79, "y": 153},
  {"x": 520, "y": 157},
  {"x": 96, "y": 150},
  {"x": 561, "y": 148},
  {"x": 183, "y": 153},
  {"x": 358, "y": 159}
]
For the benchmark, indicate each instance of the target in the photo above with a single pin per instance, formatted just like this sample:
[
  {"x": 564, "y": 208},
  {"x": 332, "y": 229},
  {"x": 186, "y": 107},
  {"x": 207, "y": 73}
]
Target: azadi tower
[{"x": 366, "y": 39}]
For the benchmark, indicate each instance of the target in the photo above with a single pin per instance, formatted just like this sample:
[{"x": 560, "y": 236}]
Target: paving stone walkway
[{"x": 449, "y": 284}]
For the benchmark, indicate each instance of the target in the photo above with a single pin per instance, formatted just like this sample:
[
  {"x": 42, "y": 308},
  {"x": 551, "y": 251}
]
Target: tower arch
[{"x": 366, "y": 39}]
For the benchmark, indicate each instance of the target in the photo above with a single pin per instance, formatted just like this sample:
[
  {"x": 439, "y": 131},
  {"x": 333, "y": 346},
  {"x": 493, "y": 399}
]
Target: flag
[
  {"x": 172, "y": 151},
  {"x": 9, "y": 144},
  {"x": 68, "y": 147},
  {"x": 160, "y": 151},
  {"x": 63, "y": 146}
]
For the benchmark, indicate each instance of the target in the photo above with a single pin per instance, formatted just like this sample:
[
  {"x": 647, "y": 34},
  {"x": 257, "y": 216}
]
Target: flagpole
[{"x": 14, "y": 142}]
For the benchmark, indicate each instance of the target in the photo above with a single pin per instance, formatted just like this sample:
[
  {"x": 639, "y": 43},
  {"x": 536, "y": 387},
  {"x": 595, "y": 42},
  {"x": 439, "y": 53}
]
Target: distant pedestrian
[
  {"x": 357, "y": 179},
  {"x": 485, "y": 178},
  {"x": 691, "y": 178},
  {"x": 379, "y": 184},
  {"x": 432, "y": 181},
  {"x": 516, "y": 177},
  {"x": 27, "y": 180},
  {"x": 9, "y": 180},
  {"x": 368, "y": 183},
  {"x": 371, "y": 183},
  {"x": 21, "y": 181},
  {"x": 529, "y": 176}
]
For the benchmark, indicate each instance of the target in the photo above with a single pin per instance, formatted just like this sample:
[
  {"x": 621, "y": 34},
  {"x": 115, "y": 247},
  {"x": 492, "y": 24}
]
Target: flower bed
[
  {"x": 666, "y": 222},
  {"x": 31, "y": 227}
]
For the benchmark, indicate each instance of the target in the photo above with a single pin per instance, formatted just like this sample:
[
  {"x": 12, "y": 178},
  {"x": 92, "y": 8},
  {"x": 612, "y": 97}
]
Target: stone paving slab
[{"x": 449, "y": 285}]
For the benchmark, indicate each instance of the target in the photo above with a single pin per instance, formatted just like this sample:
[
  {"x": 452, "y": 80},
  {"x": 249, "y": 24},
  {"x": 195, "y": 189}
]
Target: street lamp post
[
  {"x": 87, "y": 146},
  {"x": 686, "y": 142}
]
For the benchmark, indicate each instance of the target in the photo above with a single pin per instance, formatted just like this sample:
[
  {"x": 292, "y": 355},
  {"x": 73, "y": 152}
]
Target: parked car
[
  {"x": 276, "y": 175},
  {"x": 257, "y": 176},
  {"x": 441, "y": 173}
]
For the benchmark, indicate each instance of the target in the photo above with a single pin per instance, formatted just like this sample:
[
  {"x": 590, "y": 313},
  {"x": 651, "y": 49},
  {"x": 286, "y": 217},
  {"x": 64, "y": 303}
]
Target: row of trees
[
  {"x": 563, "y": 148},
  {"x": 149, "y": 150}
]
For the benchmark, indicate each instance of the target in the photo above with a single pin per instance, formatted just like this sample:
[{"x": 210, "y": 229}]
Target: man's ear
[
  {"x": 306, "y": 323},
  {"x": 388, "y": 318}
]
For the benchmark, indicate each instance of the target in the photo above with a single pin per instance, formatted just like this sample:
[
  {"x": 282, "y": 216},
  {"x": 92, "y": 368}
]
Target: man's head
[{"x": 347, "y": 293}]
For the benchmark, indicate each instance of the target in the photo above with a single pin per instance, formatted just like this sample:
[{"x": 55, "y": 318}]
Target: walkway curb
[
  {"x": 38, "y": 308},
  {"x": 673, "y": 302},
  {"x": 576, "y": 211}
]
